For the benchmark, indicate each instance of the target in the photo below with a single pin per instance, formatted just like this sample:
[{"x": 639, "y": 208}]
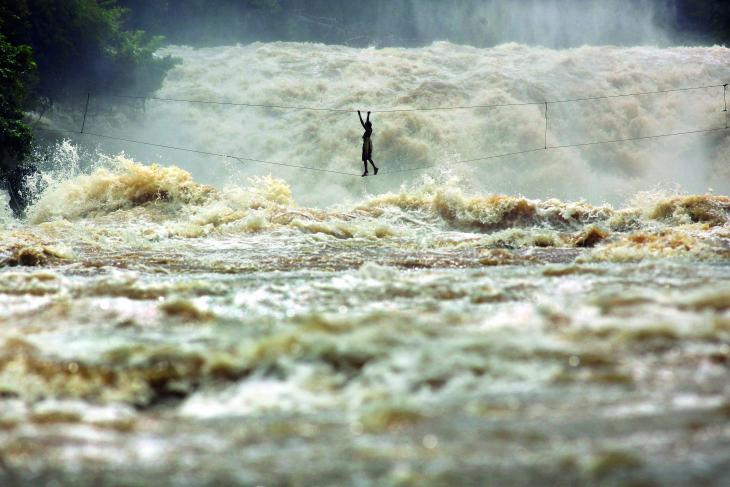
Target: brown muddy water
[
  {"x": 408, "y": 330},
  {"x": 155, "y": 331}
]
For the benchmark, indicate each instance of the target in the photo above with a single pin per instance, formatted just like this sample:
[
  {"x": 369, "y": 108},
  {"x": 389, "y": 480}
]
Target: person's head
[{"x": 368, "y": 124}]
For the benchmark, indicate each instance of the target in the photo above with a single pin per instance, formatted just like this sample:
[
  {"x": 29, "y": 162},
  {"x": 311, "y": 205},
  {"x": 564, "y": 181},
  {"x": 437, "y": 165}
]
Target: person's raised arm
[
  {"x": 368, "y": 117},
  {"x": 361, "y": 122}
]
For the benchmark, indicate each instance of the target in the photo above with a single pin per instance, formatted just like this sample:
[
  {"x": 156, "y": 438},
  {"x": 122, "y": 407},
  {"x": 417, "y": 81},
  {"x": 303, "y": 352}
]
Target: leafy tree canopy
[
  {"x": 16, "y": 72},
  {"x": 54, "y": 50},
  {"x": 81, "y": 45}
]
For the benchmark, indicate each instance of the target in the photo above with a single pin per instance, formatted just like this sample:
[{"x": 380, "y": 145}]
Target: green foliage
[
  {"x": 16, "y": 72},
  {"x": 78, "y": 46},
  {"x": 81, "y": 45}
]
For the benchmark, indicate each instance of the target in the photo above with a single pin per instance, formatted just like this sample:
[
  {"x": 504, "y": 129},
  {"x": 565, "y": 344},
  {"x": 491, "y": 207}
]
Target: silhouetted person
[
  {"x": 367, "y": 144},
  {"x": 14, "y": 178}
]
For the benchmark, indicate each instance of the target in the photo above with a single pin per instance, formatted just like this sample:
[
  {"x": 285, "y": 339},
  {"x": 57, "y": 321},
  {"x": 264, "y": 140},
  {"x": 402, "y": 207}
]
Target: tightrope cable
[
  {"x": 552, "y": 147},
  {"x": 545, "y": 147},
  {"x": 724, "y": 97},
  {"x": 646, "y": 137},
  {"x": 465, "y": 161},
  {"x": 400, "y": 110},
  {"x": 206, "y": 153},
  {"x": 546, "y": 125},
  {"x": 235, "y": 104},
  {"x": 86, "y": 111},
  {"x": 621, "y": 95},
  {"x": 394, "y": 171}
]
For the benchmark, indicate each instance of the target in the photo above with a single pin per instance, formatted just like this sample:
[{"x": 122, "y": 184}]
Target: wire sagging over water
[
  {"x": 401, "y": 110},
  {"x": 393, "y": 171},
  {"x": 546, "y": 146}
]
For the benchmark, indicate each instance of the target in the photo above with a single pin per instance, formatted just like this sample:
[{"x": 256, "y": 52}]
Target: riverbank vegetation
[{"x": 52, "y": 51}]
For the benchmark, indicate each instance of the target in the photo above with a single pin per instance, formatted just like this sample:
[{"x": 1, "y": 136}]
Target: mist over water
[
  {"x": 532, "y": 51},
  {"x": 549, "y": 23},
  {"x": 415, "y": 23},
  {"x": 559, "y": 317},
  {"x": 443, "y": 75}
]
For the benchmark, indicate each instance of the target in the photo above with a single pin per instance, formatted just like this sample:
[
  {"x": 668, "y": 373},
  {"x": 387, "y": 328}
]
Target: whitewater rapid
[
  {"x": 151, "y": 324},
  {"x": 442, "y": 75},
  {"x": 561, "y": 317}
]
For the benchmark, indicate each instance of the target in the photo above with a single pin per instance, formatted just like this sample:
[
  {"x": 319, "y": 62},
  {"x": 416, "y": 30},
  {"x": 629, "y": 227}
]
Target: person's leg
[
  {"x": 17, "y": 201},
  {"x": 374, "y": 166},
  {"x": 365, "y": 163}
]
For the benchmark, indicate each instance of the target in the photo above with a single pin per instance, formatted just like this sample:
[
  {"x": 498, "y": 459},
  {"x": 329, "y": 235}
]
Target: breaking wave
[
  {"x": 163, "y": 310},
  {"x": 442, "y": 74},
  {"x": 432, "y": 215}
]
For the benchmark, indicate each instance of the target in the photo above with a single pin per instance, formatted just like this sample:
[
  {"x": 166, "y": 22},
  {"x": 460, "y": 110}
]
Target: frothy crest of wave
[
  {"x": 441, "y": 75},
  {"x": 170, "y": 194},
  {"x": 121, "y": 186}
]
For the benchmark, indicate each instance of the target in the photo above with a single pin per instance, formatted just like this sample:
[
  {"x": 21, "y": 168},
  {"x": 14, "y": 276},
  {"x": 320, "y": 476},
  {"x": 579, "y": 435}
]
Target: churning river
[{"x": 558, "y": 317}]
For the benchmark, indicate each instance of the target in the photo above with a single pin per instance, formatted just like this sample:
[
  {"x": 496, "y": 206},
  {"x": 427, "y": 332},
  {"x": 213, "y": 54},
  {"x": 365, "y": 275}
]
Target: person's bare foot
[
  {"x": 376, "y": 171},
  {"x": 366, "y": 173}
]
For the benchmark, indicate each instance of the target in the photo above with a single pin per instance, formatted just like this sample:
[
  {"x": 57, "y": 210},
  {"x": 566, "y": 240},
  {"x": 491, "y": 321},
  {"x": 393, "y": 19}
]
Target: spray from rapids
[
  {"x": 442, "y": 74},
  {"x": 612, "y": 197},
  {"x": 125, "y": 204},
  {"x": 185, "y": 307}
]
